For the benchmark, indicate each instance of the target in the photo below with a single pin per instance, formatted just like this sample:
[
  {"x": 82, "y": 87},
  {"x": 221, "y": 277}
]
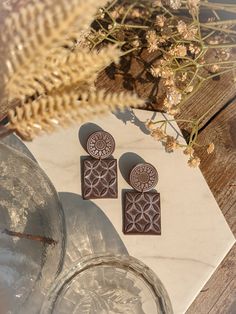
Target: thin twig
[{"x": 44, "y": 240}]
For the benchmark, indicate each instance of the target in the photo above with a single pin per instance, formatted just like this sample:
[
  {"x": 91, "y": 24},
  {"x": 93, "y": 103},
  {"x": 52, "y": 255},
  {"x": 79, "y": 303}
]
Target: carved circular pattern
[
  {"x": 143, "y": 177},
  {"x": 100, "y": 145}
]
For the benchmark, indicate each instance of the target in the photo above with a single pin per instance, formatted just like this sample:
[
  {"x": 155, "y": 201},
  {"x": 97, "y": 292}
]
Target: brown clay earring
[
  {"x": 99, "y": 177},
  {"x": 141, "y": 212}
]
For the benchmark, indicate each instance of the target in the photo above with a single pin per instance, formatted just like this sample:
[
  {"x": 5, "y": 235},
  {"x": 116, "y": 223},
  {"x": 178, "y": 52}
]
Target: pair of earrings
[{"x": 141, "y": 210}]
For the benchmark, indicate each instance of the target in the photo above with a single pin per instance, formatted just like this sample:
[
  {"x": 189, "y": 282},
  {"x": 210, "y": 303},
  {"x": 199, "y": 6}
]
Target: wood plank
[
  {"x": 219, "y": 170},
  {"x": 213, "y": 92},
  {"x": 217, "y": 296},
  {"x": 230, "y": 217},
  {"x": 225, "y": 300}
]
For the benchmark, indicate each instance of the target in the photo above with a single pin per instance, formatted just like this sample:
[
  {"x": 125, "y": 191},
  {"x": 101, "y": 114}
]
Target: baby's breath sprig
[
  {"x": 187, "y": 50},
  {"x": 158, "y": 130}
]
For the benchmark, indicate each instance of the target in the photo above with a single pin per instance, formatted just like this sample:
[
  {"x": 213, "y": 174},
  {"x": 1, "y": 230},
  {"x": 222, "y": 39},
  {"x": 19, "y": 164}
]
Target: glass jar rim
[{"x": 129, "y": 263}]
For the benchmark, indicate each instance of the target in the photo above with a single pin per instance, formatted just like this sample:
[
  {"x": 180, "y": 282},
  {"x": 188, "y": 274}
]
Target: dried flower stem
[{"x": 44, "y": 240}]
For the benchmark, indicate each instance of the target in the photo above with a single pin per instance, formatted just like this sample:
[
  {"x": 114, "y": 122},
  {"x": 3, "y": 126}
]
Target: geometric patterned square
[
  {"x": 142, "y": 214},
  {"x": 99, "y": 178}
]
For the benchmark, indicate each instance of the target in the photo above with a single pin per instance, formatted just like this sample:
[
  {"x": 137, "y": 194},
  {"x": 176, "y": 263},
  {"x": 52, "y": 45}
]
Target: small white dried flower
[
  {"x": 118, "y": 12},
  {"x": 189, "y": 89},
  {"x": 173, "y": 4},
  {"x": 136, "y": 42},
  {"x": 136, "y": 13},
  {"x": 178, "y": 51},
  {"x": 187, "y": 31},
  {"x": 173, "y": 111},
  {"x": 183, "y": 77},
  {"x": 224, "y": 54},
  {"x": 189, "y": 151},
  {"x": 160, "y": 20},
  {"x": 214, "y": 40},
  {"x": 101, "y": 13},
  {"x": 214, "y": 68},
  {"x": 194, "y": 49},
  {"x": 169, "y": 82},
  {"x": 193, "y": 6},
  {"x": 150, "y": 125},
  {"x": 194, "y": 162},
  {"x": 173, "y": 96},
  {"x": 171, "y": 144},
  {"x": 210, "y": 148},
  {"x": 158, "y": 134},
  {"x": 157, "y": 3},
  {"x": 155, "y": 71},
  {"x": 166, "y": 72},
  {"x": 181, "y": 50},
  {"x": 167, "y": 105},
  {"x": 152, "y": 40},
  {"x": 181, "y": 27}
]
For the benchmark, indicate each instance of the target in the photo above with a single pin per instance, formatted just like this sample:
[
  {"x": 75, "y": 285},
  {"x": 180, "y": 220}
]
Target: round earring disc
[
  {"x": 100, "y": 145},
  {"x": 143, "y": 177}
]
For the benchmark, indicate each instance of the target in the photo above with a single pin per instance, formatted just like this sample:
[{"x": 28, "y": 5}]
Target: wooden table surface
[{"x": 219, "y": 168}]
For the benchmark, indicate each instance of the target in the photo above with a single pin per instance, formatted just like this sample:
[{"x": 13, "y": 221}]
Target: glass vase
[{"x": 32, "y": 232}]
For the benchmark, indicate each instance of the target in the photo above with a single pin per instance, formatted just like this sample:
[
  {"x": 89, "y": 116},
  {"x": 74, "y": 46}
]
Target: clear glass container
[
  {"x": 107, "y": 284},
  {"x": 89, "y": 230},
  {"x": 32, "y": 232},
  {"x": 16, "y": 143}
]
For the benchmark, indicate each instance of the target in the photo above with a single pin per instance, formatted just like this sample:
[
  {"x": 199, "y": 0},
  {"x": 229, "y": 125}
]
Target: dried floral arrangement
[
  {"x": 52, "y": 64},
  {"x": 188, "y": 43}
]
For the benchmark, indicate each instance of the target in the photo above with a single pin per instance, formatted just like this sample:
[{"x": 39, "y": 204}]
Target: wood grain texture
[
  {"x": 219, "y": 293},
  {"x": 213, "y": 92},
  {"x": 219, "y": 170}
]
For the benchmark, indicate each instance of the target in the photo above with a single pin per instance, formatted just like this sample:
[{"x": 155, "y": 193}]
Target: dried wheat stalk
[
  {"x": 70, "y": 68},
  {"x": 69, "y": 106},
  {"x": 59, "y": 24},
  {"x": 18, "y": 21},
  {"x": 49, "y": 74}
]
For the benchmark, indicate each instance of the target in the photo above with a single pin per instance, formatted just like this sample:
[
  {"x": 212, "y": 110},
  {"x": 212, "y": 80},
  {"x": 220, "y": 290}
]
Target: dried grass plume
[{"x": 49, "y": 74}]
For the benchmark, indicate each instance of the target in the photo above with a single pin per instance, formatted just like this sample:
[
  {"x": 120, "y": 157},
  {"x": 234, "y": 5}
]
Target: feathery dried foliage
[
  {"x": 70, "y": 68},
  {"x": 32, "y": 34},
  {"x": 49, "y": 73},
  {"x": 65, "y": 108}
]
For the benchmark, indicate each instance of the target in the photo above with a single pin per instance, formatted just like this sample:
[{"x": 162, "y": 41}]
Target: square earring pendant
[
  {"x": 142, "y": 211},
  {"x": 99, "y": 177}
]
